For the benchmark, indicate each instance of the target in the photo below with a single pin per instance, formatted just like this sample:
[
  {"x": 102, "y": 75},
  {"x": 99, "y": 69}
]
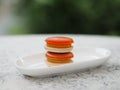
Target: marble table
[{"x": 105, "y": 77}]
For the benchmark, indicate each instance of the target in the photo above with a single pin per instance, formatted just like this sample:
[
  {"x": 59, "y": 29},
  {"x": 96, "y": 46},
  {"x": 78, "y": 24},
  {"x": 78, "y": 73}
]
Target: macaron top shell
[
  {"x": 59, "y": 56},
  {"x": 59, "y": 40}
]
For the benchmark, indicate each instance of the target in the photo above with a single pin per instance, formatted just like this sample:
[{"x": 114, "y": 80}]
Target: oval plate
[{"x": 84, "y": 58}]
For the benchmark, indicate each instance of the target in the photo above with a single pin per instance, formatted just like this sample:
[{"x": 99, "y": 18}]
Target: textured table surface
[{"x": 106, "y": 77}]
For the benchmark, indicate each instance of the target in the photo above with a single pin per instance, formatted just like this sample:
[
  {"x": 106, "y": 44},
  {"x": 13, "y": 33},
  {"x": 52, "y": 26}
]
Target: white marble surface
[{"x": 106, "y": 77}]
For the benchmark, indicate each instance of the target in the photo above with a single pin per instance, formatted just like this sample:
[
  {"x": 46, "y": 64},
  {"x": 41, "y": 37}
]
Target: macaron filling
[{"x": 58, "y": 50}]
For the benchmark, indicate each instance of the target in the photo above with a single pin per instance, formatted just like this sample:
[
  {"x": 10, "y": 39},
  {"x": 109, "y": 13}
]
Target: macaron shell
[
  {"x": 59, "y": 40},
  {"x": 58, "y": 50},
  {"x": 59, "y": 60},
  {"x": 59, "y": 56}
]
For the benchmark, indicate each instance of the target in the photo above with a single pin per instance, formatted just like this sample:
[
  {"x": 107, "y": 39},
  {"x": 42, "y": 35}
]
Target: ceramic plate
[{"x": 35, "y": 65}]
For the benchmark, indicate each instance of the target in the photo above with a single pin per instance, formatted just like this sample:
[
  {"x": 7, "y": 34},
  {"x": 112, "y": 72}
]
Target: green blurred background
[{"x": 67, "y": 16}]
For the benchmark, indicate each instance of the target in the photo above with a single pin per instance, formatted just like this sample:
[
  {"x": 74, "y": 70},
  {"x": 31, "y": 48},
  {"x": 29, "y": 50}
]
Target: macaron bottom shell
[{"x": 58, "y": 58}]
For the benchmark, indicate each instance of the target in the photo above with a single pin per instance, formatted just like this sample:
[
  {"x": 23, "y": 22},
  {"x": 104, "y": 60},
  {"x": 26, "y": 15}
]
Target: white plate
[{"x": 84, "y": 58}]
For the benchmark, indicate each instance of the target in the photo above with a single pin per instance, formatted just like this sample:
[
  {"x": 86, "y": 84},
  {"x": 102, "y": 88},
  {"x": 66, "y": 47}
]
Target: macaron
[
  {"x": 59, "y": 44},
  {"x": 59, "y": 57}
]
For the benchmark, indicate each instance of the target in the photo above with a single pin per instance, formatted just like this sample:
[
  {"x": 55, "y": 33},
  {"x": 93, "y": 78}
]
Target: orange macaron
[
  {"x": 59, "y": 57},
  {"x": 59, "y": 44}
]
